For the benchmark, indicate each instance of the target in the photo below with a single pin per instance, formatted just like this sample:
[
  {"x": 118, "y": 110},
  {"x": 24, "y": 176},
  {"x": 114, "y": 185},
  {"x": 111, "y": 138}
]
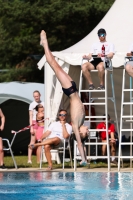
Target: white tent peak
[
  {"x": 118, "y": 25},
  {"x": 21, "y": 91}
]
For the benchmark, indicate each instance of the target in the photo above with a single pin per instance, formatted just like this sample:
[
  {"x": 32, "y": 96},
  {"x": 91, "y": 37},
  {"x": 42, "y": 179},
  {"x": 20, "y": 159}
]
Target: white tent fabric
[
  {"x": 20, "y": 91},
  {"x": 118, "y": 24}
]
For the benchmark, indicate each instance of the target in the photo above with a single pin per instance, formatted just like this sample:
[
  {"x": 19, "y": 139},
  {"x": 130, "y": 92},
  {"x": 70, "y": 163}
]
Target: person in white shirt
[
  {"x": 32, "y": 120},
  {"x": 98, "y": 64},
  {"x": 129, "y": 64},
  {"x": 55, "y": 135}
]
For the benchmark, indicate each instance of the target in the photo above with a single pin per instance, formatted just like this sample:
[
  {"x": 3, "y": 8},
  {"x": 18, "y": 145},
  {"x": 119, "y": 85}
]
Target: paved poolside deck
[{"x": 83, "y": 169}]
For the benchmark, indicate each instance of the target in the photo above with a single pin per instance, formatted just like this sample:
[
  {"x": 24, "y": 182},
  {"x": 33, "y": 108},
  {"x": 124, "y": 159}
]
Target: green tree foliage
[{"x": 66, "y": 22}]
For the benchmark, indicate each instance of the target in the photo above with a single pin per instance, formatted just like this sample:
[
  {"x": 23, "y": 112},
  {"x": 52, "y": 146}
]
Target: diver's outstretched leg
[{"x": 61, "y": 75}]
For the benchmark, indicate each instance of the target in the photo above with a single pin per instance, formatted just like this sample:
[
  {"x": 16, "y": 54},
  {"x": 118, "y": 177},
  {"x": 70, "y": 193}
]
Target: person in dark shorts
[
  {"x": 97, "y": 62},
  {"x": 77, "y": 111}
]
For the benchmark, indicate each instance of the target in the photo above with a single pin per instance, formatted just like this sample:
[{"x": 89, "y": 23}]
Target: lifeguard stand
[
  {"x": 126, "y": 116},
  {"x": 101, "y": 99}
]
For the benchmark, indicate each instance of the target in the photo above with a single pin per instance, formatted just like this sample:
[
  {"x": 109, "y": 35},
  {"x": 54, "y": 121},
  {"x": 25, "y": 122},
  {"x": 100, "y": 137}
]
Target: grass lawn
[{"x": 22, "y": 163}]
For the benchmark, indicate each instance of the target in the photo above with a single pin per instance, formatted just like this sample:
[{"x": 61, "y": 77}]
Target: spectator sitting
[
  {"x": 112, "y": 142},
  {"x": 54, "y": 136},
  {"x": 98, "y": 63}
]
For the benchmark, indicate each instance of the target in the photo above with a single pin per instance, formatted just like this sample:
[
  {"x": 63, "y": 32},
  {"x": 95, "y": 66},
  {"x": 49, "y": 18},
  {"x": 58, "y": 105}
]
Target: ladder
[
  {"x": 104, "y": 103},
  {"x": 126, "y": 119}
]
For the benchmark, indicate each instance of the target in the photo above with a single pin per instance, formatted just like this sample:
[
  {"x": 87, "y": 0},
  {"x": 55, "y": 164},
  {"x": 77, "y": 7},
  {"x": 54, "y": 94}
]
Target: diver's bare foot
[{"x": 43, "y": 37}]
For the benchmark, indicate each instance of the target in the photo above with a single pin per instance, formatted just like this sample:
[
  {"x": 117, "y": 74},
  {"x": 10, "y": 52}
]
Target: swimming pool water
[{"x": 66, "y": 186}]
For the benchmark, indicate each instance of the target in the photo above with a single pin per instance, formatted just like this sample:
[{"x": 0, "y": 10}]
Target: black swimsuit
[{"x": 70, "y": 90}]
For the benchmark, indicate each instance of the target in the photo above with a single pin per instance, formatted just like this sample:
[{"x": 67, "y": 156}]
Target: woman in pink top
[{"x": 39, "y": 132}]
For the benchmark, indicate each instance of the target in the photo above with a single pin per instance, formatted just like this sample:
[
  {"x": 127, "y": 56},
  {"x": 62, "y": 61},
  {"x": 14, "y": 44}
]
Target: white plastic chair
[
  {"x": 56, "y": 152},
  {"x": 63, "y": 149},
  {"x": 10, "y": 149}
]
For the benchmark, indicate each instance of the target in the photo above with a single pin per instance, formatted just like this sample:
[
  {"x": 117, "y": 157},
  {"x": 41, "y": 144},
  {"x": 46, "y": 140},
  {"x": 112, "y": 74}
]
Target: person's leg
[
  {"x": 86, "y": 68},
  {"x": 129, "y": 69},
  {"x": 79, "y": 144},
  {"x": 113, "y": 150},
  {"x": 101, "y": 72},
  {"x": 1, "y": 152},
  {"x": 104, "y": 148},
  {"x": 38, "y": 135},
  {"x": 47, "y": 149},
  {"x": 50, "y": 141},
  {"x": 32, "y": 141},
  {"x": 38, "y": 154},
  {"x": 61, "y": 75}
]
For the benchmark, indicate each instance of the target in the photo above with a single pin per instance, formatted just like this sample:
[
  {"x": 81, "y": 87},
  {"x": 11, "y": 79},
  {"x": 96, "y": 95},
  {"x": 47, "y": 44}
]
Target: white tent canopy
[
  {"x": 20, "y": 91},
  {"x": 118, "y": 25},
  {"x": 15, "y": 98}
]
